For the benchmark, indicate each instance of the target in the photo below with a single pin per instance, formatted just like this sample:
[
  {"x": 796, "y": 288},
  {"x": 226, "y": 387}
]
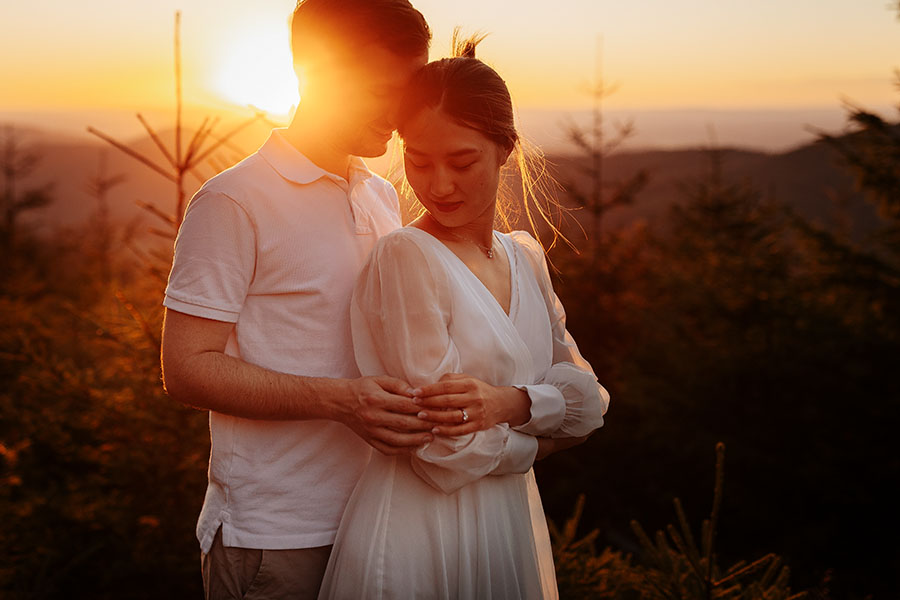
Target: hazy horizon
[{"x": 761, "y": 129}]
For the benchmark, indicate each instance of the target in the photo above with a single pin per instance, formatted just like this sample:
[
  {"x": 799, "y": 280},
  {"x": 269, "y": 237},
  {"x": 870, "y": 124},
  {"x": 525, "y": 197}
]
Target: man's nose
[{"x": 391, "y": 116}]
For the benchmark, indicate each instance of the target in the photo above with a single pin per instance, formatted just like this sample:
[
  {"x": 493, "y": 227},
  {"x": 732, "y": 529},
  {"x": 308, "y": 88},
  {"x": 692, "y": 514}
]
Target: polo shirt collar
[{"x": 291, "y": 164}]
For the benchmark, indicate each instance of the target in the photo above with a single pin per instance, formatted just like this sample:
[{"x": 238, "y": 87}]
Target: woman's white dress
[{"x": 462, "y": 518}]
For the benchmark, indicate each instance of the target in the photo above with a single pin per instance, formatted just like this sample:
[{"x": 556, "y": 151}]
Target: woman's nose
[{"x": 441, "y": 183}]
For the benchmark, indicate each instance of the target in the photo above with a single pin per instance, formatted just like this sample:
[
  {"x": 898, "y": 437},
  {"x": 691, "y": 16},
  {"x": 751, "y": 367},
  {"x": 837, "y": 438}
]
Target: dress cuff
[
  {"x": 548, "y": 409},
  {"x": 519, "y": 454}
]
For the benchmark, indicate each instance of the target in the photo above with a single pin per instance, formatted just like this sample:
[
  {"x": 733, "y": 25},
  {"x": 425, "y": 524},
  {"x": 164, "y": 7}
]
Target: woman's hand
[{"x": 461, "y": 404}]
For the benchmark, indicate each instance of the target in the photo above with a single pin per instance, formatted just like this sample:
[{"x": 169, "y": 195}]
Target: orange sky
[{"x": 710, "y": 53}]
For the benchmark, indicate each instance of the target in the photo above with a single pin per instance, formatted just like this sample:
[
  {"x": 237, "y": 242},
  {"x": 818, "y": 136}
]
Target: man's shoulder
[{"x": 250, "y": 173}]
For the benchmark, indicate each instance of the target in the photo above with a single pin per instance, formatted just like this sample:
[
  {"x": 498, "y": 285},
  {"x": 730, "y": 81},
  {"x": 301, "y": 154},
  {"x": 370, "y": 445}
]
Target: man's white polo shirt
[{"x": 274, "y": 245}]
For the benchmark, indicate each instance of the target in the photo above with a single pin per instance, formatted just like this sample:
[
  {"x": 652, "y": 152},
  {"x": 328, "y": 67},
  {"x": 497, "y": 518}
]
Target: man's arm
[
  {"x": 548, "y": 446},
  {"x": 197, "y": 372}
]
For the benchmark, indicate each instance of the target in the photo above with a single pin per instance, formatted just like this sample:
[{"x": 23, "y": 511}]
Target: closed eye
[
  {"x": 463, "y": 167},
  {"x": 416, "y": 165}
]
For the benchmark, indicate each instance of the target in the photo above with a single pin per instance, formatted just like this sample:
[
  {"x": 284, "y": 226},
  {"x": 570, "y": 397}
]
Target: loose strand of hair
[
  {"x": 539, "y": 194},
  {"x": 464, "y": 47}
]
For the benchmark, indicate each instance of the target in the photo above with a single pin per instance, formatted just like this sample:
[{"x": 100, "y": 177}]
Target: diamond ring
[{"x": 465, "y": 415}]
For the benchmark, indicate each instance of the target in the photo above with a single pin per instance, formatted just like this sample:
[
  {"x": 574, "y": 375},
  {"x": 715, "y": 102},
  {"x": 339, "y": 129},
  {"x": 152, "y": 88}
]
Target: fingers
[
  {"x": 391, "y": 442},
  {"x": 387, "y": 450},
  {"x": 452, "y": 422},
  {"x": 396, "y": 404},
  {"x": 401, "y": 423},
  {"x": 453, "y": 417},
  {"x": 470, "y": 427},
  {"x": 426, "y": 394},
  {"x": 452, "y": 376},
  {"x": 395, "y": 386},
  {"x": 459, "y": 399}
]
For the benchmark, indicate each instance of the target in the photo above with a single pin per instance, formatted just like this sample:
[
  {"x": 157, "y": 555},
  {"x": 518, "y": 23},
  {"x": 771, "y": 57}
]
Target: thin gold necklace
[{"x": 488, "y": 250}]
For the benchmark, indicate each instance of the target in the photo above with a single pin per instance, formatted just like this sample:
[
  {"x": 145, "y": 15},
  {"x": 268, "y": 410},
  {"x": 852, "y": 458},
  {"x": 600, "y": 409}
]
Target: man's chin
[{"x": 372, "y": 149}]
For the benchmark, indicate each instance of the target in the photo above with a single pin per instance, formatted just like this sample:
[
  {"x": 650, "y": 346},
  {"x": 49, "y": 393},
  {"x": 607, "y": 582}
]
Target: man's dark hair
[{"x": 349, "y": 25}]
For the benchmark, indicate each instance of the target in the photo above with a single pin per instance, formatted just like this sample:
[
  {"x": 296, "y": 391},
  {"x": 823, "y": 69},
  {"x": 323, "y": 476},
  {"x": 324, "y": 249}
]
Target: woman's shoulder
[
  {"x": 404, "y": 243},
  {"x": 408, "y": 257},
  {"x": 527, "y": 244}
]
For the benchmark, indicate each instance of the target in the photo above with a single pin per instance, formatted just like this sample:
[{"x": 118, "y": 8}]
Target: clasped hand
[
  {"x": 459, "y": 404},
  {"x": 395, "y": 419}
]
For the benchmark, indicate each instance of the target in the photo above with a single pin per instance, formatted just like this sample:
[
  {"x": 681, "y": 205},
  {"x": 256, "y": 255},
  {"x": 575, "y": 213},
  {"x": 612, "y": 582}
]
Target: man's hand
[
  {"x": 381, "y": 411},
  {"x": 548, "y": 446},
  {"x": 462, "y": 404}
]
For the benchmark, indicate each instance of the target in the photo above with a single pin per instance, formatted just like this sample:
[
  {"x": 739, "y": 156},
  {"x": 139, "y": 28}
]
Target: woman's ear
[{"x": 505, "y": 154}]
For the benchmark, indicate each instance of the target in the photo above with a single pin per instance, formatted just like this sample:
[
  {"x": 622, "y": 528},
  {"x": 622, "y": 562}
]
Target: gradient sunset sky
[{"x": 724, "y": 54}]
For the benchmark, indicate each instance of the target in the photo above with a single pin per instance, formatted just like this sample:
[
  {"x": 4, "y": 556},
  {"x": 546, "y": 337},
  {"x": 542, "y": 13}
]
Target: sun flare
[{"x": 255, "y": 69}]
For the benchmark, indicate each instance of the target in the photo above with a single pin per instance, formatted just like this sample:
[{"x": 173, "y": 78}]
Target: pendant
[{"x": 489, "y": 252}]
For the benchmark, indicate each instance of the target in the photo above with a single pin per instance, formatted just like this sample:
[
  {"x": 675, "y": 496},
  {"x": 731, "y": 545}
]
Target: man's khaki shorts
[{"x": 250, "y": 574}]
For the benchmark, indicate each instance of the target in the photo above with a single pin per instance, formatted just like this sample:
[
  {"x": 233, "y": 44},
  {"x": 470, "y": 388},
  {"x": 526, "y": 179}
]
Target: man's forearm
[
  {"x": 197, "y": 372},
  {"x": 225, "y": 384}
]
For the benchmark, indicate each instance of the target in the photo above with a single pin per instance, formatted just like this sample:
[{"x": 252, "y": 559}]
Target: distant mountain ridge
[{"x": 808, "y": 178}]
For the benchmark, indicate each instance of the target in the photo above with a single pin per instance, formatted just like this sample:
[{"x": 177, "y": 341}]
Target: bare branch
[
  {"x": 156, "y": 139},
  {"x": 178, "y": 87},
  {"x": 197, "y": 140},
  {"x": 155, "y": 211},
  {"x": 227, "y": 136},
  {"x": 161, "y": 232},
  {"x": 132, "y": 153}
]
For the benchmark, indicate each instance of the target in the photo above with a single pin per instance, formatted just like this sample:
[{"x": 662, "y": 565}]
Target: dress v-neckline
[{"x": 510, "y": 257}]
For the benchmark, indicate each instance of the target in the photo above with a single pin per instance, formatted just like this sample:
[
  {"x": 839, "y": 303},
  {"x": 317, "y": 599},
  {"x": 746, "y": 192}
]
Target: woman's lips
[{"x": 447, "y": 206}]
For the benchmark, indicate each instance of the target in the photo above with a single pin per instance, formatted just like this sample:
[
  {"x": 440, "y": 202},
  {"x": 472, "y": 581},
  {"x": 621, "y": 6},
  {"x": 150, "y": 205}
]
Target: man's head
[
  {"x": 353, "y": 58},
  {"x": 352, "y": 25}
]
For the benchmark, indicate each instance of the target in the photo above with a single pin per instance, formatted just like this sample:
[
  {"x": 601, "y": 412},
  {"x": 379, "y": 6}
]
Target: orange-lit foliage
[{"x": 100, "y": 468}]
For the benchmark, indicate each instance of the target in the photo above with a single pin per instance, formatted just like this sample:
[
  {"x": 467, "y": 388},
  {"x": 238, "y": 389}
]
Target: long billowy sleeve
[
  {"x": 400, "y": 313},
  {"x": 568, "y": 401}
]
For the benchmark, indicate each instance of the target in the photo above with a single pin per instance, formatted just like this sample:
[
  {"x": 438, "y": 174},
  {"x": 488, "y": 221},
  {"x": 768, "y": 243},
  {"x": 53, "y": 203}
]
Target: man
[{"x": 257, "y": 323}]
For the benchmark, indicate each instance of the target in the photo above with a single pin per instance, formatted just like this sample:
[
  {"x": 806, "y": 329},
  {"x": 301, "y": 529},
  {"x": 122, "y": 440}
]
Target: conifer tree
[{"x": 17, "y": 162}]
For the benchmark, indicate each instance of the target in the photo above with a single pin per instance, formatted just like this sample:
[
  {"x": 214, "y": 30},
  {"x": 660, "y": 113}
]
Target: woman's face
[{"x": 454, "y": 170}]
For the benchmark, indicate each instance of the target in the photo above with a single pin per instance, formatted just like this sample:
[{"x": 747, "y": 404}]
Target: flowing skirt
[{"x": 400, "y": 538}]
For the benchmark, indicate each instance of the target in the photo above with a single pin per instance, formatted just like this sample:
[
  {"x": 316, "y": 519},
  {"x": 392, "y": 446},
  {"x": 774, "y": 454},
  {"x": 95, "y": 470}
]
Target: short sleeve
[
  {"x": 215, "y": 259},
  {"x": 570, "y": 379},
  {"x": 400, "y": 316}
]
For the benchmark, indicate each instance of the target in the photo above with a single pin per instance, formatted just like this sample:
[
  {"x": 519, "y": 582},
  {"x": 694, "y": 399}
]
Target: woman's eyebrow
[
  {"x": 454, "y": 154},
  {"x": 464, "y": 152}
]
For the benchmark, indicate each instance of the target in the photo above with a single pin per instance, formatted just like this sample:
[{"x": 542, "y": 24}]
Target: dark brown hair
[
  {"x": 349, "y": 25},
  {"x": 471, "y": 93},
  {"x": 465, "y": 89}
]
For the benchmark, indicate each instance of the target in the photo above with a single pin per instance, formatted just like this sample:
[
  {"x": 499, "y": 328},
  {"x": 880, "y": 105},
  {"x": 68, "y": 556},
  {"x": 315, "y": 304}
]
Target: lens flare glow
[{"x": 255, "y": 69}]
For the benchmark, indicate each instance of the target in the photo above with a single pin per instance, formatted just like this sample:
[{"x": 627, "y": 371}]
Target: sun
[{"x": 255, "y": 69}]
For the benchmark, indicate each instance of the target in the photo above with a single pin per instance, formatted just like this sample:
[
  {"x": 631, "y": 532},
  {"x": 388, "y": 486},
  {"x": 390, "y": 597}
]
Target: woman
[{"x": 462, "y": 517}]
